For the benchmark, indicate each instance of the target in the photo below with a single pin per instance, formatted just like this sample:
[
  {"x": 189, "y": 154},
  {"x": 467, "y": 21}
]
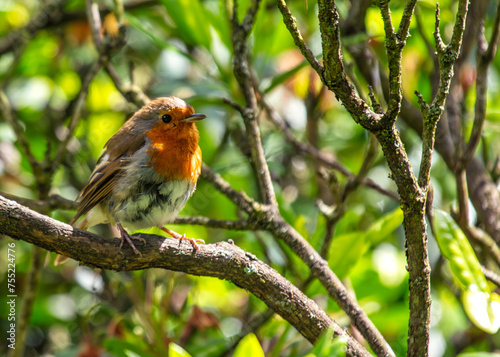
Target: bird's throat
[{"x": 175, "y": 154}]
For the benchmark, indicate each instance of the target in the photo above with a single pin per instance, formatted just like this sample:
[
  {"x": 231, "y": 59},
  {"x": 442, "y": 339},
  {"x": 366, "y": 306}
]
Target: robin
[{"x": 147, "y": 172}]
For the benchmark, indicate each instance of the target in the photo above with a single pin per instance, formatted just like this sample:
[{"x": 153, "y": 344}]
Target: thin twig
[
  {"x": 242, "y": 225},
  {"x": 484, "y": 58},
  {"x": 241, "y": 70},
  {"x": 447, "y": 56},
  {"x": 52, "y": 202},
  {"x": 8, "y": 114},
  {"x": 131, "y": 93},
  {"x": 77, "y": 112},
  {"x": 491, "y": 276},
  {"x": 94, "y": 18},
  {"x": 310, "y": 150}
]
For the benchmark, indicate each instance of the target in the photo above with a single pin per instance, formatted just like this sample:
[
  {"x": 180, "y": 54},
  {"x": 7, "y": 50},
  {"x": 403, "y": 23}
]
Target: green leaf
[
  {"x": 345, "y": 252},
  {"x": 279, "y": 79},
  {"x": 457, "y": 250},
  {"x": 384, "y": 226},
  {"x": 120, "y": 348},
  {"x": 300, "y": 226},
  {"x": 175, "y": 350},
  {"x": 483, "y": 309},
  {"x": 194, "y": 28},
  {"x": 249, "y": 346},
  {"x": 328, "y": 346},
  {"x": 479, "y": 354}
]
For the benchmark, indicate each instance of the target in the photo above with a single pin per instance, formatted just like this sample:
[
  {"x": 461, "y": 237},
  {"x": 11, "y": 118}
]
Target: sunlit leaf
[
  {"x": 483, "y": 309},
  {"x": 328, "y": 346},
  {"x": 284, "y": 76},
  {"x": 300, "y": 226},
  {"x": 175, "y": 350},
  {"x": 189, "y": 17},
  {"x": 384, "y": 226},
  {"x": 345, "y": 252},
  {"x": 457, "y": 250},
  {"x": 249, "y": 346}
]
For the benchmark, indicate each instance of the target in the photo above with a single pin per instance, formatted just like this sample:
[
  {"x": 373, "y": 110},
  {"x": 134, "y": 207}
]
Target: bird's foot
[
  {"x": 124, "y": 236},
  {"x": 176, "y": 235}
]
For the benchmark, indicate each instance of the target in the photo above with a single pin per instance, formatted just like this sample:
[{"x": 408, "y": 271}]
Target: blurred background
[{"x": 183, "y": 48}]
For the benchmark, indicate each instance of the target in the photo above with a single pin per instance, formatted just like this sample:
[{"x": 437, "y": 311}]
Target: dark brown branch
[{"x": 221, "y": 260}]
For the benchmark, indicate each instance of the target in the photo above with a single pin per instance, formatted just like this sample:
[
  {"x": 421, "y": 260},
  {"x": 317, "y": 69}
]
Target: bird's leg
[
  {"x": 124, "y": 236},
  {"x": 176, "y": 235}
]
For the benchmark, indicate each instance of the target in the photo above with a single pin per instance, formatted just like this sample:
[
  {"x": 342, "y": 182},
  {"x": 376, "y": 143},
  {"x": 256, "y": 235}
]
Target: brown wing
[
  {"x": 119, "y": 149},
  {"x": 100, "y": 185}
]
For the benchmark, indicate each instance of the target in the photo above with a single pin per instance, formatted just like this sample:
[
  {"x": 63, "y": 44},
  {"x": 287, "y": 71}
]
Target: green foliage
[
  {"x": 184, "y": 48},
  {"x": 249, "y": 346},
  {"x": 328, "y": 346},
  {"x": 457, "y": 250},
  {"x": 348, "y": 248},
  {"x": 482, "y": 306}
]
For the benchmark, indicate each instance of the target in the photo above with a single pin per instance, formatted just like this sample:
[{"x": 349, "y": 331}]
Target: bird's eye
[{"x": 167, "y": 118}]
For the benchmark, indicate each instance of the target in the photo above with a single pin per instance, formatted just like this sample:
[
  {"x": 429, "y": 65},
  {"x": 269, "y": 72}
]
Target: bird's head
[{"x": 168, "y": 116}]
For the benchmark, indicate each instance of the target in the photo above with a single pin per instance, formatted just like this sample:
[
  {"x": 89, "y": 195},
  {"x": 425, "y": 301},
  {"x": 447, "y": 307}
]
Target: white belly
[{"x": 142, "y": 199}]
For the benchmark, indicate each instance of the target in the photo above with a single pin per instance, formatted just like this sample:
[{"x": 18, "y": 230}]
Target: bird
[{"x": 147, "y": 172}]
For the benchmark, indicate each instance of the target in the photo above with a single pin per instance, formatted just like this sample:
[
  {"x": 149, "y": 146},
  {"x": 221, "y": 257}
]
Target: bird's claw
[
  {"x": 124, "y": 236},
  {"x": 194, "y": 242}
]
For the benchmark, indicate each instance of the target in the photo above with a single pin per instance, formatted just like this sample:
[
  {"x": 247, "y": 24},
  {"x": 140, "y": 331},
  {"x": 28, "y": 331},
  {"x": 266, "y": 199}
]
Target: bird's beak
[{"x": 194, "y": 117}]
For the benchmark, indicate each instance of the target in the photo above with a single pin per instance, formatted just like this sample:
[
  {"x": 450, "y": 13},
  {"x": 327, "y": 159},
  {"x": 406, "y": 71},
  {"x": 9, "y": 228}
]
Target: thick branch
[
  {"x": 221, "y": 260},
  {"x": 482, "y": 190}
]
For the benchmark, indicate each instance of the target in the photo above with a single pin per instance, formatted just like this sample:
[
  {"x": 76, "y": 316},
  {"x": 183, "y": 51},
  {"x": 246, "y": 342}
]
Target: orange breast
[{"x": 175, "y": 154}]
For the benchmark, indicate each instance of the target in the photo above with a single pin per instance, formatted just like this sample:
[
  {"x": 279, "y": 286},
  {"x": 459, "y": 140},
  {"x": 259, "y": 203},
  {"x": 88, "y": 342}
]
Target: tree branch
[
  {"x": 484, "y": 58},
  {"x": 312, "y": 151},
  {"x": 221, "y": 260},
  {"x": 291, "y": 25},
  {"x": 266, "y": 219},
  {"x": 241, "y": 69},
  {"x": 77, "y": 111}
]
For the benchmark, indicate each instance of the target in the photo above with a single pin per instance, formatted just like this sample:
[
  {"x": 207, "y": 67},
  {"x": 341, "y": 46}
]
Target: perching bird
[{"x": 147, "y": 172}]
